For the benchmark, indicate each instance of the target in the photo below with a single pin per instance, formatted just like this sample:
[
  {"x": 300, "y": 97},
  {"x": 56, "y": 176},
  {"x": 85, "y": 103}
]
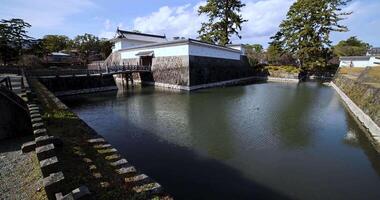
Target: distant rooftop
[
  {"x": 123, "y": 33},
  {"x": 374, "y": 51}
]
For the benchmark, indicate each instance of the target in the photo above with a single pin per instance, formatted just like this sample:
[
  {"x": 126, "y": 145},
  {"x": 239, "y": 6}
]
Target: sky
[{"x": 172, "y": 18}]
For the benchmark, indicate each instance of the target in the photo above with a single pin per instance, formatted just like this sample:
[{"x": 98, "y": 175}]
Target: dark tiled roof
[
  {"x": 374, "y": 51},
  {"x": 122, "y": 32}
]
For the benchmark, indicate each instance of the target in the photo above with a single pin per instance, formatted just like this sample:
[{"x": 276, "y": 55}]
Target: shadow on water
[
  {"x": 209, "y": 178},
  {"x": 360, "y": 140},
  {"x": 191, "y": 145},
  {"x": 182, "y": 172}
]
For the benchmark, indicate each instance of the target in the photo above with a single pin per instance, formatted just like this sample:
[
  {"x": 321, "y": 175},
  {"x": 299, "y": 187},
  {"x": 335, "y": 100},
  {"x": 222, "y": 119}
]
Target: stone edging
[
  {"x": 217, "y": 84},
  {"x": 364, "y": 119},
  {"x": 283, "y": 80},
  {"x": 85, "y": 91},
  {"x": 45, "y": 147}
]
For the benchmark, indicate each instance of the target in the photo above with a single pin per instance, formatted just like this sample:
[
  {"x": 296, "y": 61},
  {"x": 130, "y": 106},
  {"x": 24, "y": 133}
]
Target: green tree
[
  {"x": 275, "y": 55},
  {"x": 13, "y": 36},
  {"x": 55, "y": 43},
  {"x": 306, "y": 30},
  {"x": 254, "y": 53},
  {"x": 105, "y": 47},
  {"x": 224, "y": 21},
  {"x": 86, "y": 45},
  {"x": 258, "y": 48},
  {"x": 351, "y": 47}
]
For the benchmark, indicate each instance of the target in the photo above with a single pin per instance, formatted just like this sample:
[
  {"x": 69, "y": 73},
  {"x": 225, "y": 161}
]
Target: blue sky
[{"x": 171, "y": 17}]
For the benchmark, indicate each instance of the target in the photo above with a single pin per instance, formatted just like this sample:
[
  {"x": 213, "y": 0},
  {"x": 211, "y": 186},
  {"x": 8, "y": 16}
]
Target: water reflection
[{"x": 273, "y": 140}]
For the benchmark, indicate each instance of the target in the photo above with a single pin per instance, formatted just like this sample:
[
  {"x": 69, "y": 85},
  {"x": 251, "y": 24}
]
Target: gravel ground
[{"x": 20, "y": 176}]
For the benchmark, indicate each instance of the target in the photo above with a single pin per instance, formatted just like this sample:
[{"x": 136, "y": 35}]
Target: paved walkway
[{"x": 20, "y": 176}]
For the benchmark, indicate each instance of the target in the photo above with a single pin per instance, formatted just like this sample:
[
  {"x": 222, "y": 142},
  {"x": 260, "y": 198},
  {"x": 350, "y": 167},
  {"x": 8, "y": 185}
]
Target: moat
[{"x": 260, "y": 141}]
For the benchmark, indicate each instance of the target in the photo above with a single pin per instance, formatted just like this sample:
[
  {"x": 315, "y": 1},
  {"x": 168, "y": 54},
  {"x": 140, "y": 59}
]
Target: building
[
  {"x": 180, "y": 63},
  {"x": 61, "y": 59},
  {"x": 371, "y": 59}
]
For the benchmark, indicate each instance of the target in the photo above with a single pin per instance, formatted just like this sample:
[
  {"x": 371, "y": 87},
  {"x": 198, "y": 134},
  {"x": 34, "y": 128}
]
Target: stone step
[
  {"x": 96, "y": 140},
  {"x": 126, "y": 170},
  {"x": 113, "y": 157},
  {"x": 102, "y": 146},
  {"x": 28, "y": 147},
  {"x": 106, "y": 151},
  {"x": 137, "y": 178},
  {"x": 78, "y": 193},
  {"x": 45, "y": 151},
  {"x": 119, "y": 162},
  {"x": 49, "y": 165},
  {"x": 152, "y": 188},
  {"x": 53, "y": 184}
]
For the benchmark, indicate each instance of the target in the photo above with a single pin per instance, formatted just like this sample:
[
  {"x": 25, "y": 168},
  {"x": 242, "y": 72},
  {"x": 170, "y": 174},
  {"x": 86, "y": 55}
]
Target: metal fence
[{"x": 67, "y": 72}]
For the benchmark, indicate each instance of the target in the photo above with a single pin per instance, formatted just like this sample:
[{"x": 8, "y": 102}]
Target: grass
[
  {"x": 74, "y": 133},
  {"x": 369, "y": 76},
  {"x": 284, "y": 68}
]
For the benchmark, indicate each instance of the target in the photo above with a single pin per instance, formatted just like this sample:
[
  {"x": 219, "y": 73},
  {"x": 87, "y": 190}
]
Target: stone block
[
  {"x": 113, "y": 157},
  {"x": 40, "y": 132},
  {"x": 96, "y": 140},
  {"x": 38, "y": 125},
  {"x": 49, "y": 165},
  {"x": 87, "y": 160},
  {"x": 32, "y": 105},
  {"x": 45, "y": 139},
  {"x": 102, "y": 146},
  {"x": 36, "y": 115},
  {"x": 53, "y": 184},
  {"x": 80, "y": 192},
  {"x": 34, "y": 108},
  {"x": 28, "y": 147},
  {"x": 35, "y": 120},
  {"x": 150, "y": 187},
  {"x": 119, "y": 162},
  {"x": 45, "y": 152},
  {"x": 126, "y": 170},
  {"x": 34, "y": 112},
  {"x": 105, "y": 151},
  {"x": 137, "y": 178}
]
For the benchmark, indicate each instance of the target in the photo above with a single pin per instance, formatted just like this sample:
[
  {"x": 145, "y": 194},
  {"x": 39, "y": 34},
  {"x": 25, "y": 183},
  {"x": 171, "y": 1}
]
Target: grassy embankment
[
  {"x": 98, "y": 175},
  {"x": 363, "y": 87}
]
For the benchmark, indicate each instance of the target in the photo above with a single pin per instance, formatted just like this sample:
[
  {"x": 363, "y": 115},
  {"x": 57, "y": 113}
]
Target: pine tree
[
  {"x": 306, "y": 30},
  {"x": 224, "y": 21}
]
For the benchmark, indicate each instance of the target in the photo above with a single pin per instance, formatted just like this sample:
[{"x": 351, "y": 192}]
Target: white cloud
[
  {"x": 108, "y": 31},
  {"x": 263, "y": 17},
  {"x": 172, "y": 21},
  {"x": 44, "y": 13}
]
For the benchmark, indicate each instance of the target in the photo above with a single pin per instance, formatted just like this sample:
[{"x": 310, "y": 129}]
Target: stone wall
[
  {"x": 72, "y": 83},
  {"x": 14, "y": 119},
  {"x": 171, "y": 70},
  {"x": 365, "y": 96},
  {"x": 204, "y": 70}
]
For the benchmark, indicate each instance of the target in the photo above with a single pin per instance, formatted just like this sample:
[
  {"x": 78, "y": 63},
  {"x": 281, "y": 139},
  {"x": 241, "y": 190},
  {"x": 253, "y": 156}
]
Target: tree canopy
[
  {"x": 305, "y": 32},
  {"x": 351, "y": 47},
  {"x": 224, "y": 21},
  {"x": 13, "y": 35},
  {"x": 55, "y": 43}
]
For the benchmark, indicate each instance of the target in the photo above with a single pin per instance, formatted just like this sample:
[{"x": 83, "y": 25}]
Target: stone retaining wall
[
  {"x": 169, "y": 70},
  {"x": 102, "y": 163},
  {"x": 14, "y": 119},
  {"x": 206, "y": 70},
  {"x": 363, "y": 101},
  {"x": 67, "y": 85}
]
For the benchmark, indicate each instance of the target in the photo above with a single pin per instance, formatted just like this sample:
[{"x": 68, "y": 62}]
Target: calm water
[{"x": 262, "y": 141}]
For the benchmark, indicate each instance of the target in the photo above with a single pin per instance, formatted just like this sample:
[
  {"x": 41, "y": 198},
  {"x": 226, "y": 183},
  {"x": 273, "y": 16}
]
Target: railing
[
  {"x": 10, "y": 70},
  {"x": 6, "y": 82},
  {"x": 72, "y": 72}
]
